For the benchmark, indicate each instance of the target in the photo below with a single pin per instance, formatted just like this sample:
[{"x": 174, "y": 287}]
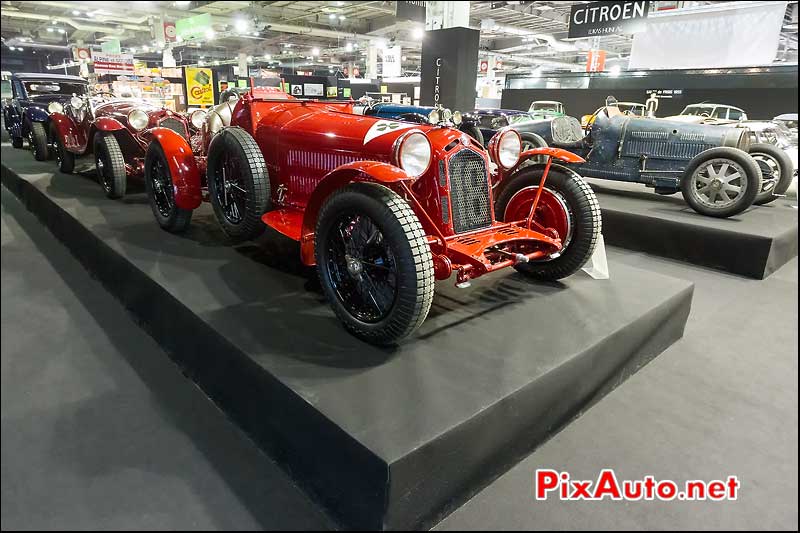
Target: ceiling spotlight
[
  {"x": 53, "y": 22},
  {"x": 62, "y": 30},
  {"x": 50, "y": 30},
  {"x": 315, "y": 51},
  {"x": 418, "y": 33},
  {"x": 404, "y": 58},
  {"x": 90, "y": 14},
  {"x": 216, "y": 62},
  {"x": 348, "y": 47},
  {"x": 76, "y": 12},
  {"x": 241, "y": 25},
  {"x": 202, "y": 57},
  {"x": 332, "y": 16},
  {"x": 342, "y": 17},
  {"x": 250, "y": 59},
  {"x": 145, "y": 48},
  {"x": 267, "y": 57},
  {"x": 183, "y": 3},
  {"x": 133, "y": 50},
  {"x": 614, "y": 70},
  {"x": 178, "y": 39},
  {"x": 210, "y": 34}
]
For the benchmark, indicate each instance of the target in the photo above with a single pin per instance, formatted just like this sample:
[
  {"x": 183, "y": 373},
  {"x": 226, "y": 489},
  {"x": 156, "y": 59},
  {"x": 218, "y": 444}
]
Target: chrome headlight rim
[
  {"x": 458, "y": 118},
  {"x": 76, "y": 102},
  {"x": 447, "y": 115},
  {"x": 197, "y": 118},
  {"x": 402, "y": 146},
  {"x": 434, "y": 116},
  {"x": 138, "y": 120},
  {"x": 55, "y": 107},
  {"x": 503, "y": 150}
]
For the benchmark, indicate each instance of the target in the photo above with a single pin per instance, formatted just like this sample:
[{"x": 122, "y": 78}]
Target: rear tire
[
  {"x": 383, "y": 288},
  {"x": 160, "y": 192},
  {"x": 772, "y": 160},
  {"x": 37, "y": 137},
  {"x": 64, "y": 158},
  {"x": 238, "y": 183},
  {"x": 110, "y": 164},
  {"x": 708, "y": 176},
  {"x": 565, "y": 189}
]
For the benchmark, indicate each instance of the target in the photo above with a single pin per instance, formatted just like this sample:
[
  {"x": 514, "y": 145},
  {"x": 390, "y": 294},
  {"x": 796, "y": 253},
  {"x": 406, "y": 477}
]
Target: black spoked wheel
[
  {"x": 374, "y": 262},
  {"x": 230, "y": 193},
  {"x": 238, "y": 183},
  {"x": 160, "y": 192},
  {"x": 362, "y": 267}
]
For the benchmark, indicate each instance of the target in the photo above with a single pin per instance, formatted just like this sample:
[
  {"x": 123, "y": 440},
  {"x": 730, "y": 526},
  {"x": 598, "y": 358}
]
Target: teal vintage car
[{"x": 540, "y": 109}]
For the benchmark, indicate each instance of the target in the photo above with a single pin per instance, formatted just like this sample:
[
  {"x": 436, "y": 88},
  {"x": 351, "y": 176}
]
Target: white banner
[
  {"x": 733, "y": 34},
  {"x": 392, "y": 67},
  {"x": 112, "y": 63}
]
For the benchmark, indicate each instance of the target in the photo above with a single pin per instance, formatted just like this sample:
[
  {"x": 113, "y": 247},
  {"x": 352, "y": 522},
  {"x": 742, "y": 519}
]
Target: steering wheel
[
  {"x": 707, "y": 115},
  {"x": 227, "y": 95}
]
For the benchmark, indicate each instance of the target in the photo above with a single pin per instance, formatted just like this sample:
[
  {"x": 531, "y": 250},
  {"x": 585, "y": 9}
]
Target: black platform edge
[
  {"x": 493, "y": 428},
  {"x": 753, "y": 256},
  {"x": 195, "y": 347},
  {"x": 358, "y": 488}
]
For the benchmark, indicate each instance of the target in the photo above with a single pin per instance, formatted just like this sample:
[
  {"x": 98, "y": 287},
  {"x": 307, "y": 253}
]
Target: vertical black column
[{"x": 450, "y": 68}]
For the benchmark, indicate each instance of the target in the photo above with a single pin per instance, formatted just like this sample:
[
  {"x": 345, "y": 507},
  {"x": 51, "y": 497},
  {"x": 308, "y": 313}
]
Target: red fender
[
  {"x": 182, "y": 167},
  {"x": 557, "y": 153},
  {"x": 71, "y": 136},
  {"x": 108, "y": 124},
  {"x": 373, "y": 171}
]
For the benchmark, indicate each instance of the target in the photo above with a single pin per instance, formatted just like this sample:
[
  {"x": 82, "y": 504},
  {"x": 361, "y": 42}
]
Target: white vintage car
[{"x": 706, "y": 113}]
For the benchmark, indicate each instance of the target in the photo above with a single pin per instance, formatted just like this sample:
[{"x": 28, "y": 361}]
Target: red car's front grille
[
  {"x": 469, "y": 191},
  {"x": 175, "y": 125}
]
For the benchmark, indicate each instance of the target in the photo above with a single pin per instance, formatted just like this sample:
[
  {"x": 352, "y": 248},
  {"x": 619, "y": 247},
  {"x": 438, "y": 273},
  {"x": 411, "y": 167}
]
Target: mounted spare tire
[
  {"x": 721, "y": 182},
  {"x": 238, "y": 183}
]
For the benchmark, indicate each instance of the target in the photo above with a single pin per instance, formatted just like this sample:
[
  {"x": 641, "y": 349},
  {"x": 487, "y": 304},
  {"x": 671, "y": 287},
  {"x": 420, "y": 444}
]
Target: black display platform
[
  {"x": 754, "y": 243},
  {"x": 383, "y": 438}
]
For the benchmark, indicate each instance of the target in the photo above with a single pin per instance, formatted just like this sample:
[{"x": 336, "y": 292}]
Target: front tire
[
  {"x": 17, "y": 142},
  {"x": 64, "y": 158},
  {"x": 374, "y": 262},
  {"x": 721, "y": 182},
  {"x": 37, "y": 138},
  {"x": 567, "y": 206},
  {"x": 110, "y": 164},
  {"x": 161, "y": 194},
  {"x": 238, "y": 184},
  {"x": 776, "y": 169}
]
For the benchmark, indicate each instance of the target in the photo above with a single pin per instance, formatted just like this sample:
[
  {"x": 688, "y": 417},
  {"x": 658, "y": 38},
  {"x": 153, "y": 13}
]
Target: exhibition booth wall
[{"x": 763, "y": 92}]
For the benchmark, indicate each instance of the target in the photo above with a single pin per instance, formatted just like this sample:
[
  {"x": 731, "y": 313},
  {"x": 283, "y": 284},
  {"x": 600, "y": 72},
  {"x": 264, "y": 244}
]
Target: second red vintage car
[
  {"x": 116, "y": 131},
  {"x": 382, "y": 208}
]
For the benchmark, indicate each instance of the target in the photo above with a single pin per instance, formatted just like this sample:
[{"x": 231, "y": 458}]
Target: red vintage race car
[
  {"x": 381, "y": 207},
  {"x": 116, "y": 131}
]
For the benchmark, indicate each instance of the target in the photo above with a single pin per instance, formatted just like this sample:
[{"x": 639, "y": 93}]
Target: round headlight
[
  {"x": 76, "y": 102},
  {"x": 509, "y": 148},
  {"x": 55, "y": 107},
  {"x": 446, "y": 114},
  {"x": 457, "y": 118},
  {"x": 138, "y": 119},
  {"x": 434, "y": 117},
  {"x": 197, "y": 117},
  {"x": 414, "y": 154}
]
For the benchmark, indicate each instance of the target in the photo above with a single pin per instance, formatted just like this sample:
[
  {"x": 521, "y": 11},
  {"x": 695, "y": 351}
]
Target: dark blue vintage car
[
  {"x": 709, "y": 165},
  {"x": 34, "y": 97},
  {"x": 489, "y": 121}
]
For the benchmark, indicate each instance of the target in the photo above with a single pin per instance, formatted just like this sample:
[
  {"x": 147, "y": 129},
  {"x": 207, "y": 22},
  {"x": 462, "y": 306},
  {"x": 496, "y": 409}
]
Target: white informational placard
[
  {"x": 392, "y": 62},
  {"x": 313, "y": 89},
  {"x": 120, "y": 64},
  {"x": 597, "y": 266}
]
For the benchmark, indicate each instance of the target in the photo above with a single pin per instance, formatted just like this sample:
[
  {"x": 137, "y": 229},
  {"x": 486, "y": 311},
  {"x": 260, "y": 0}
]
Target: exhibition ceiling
[{"x": 525, "y": 35}]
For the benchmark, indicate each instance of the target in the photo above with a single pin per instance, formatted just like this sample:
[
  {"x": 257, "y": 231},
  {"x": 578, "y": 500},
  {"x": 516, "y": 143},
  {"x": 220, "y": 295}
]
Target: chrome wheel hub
[
  {"x": 719, "y": 182},
  {"x": 354, "y": 266}
]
